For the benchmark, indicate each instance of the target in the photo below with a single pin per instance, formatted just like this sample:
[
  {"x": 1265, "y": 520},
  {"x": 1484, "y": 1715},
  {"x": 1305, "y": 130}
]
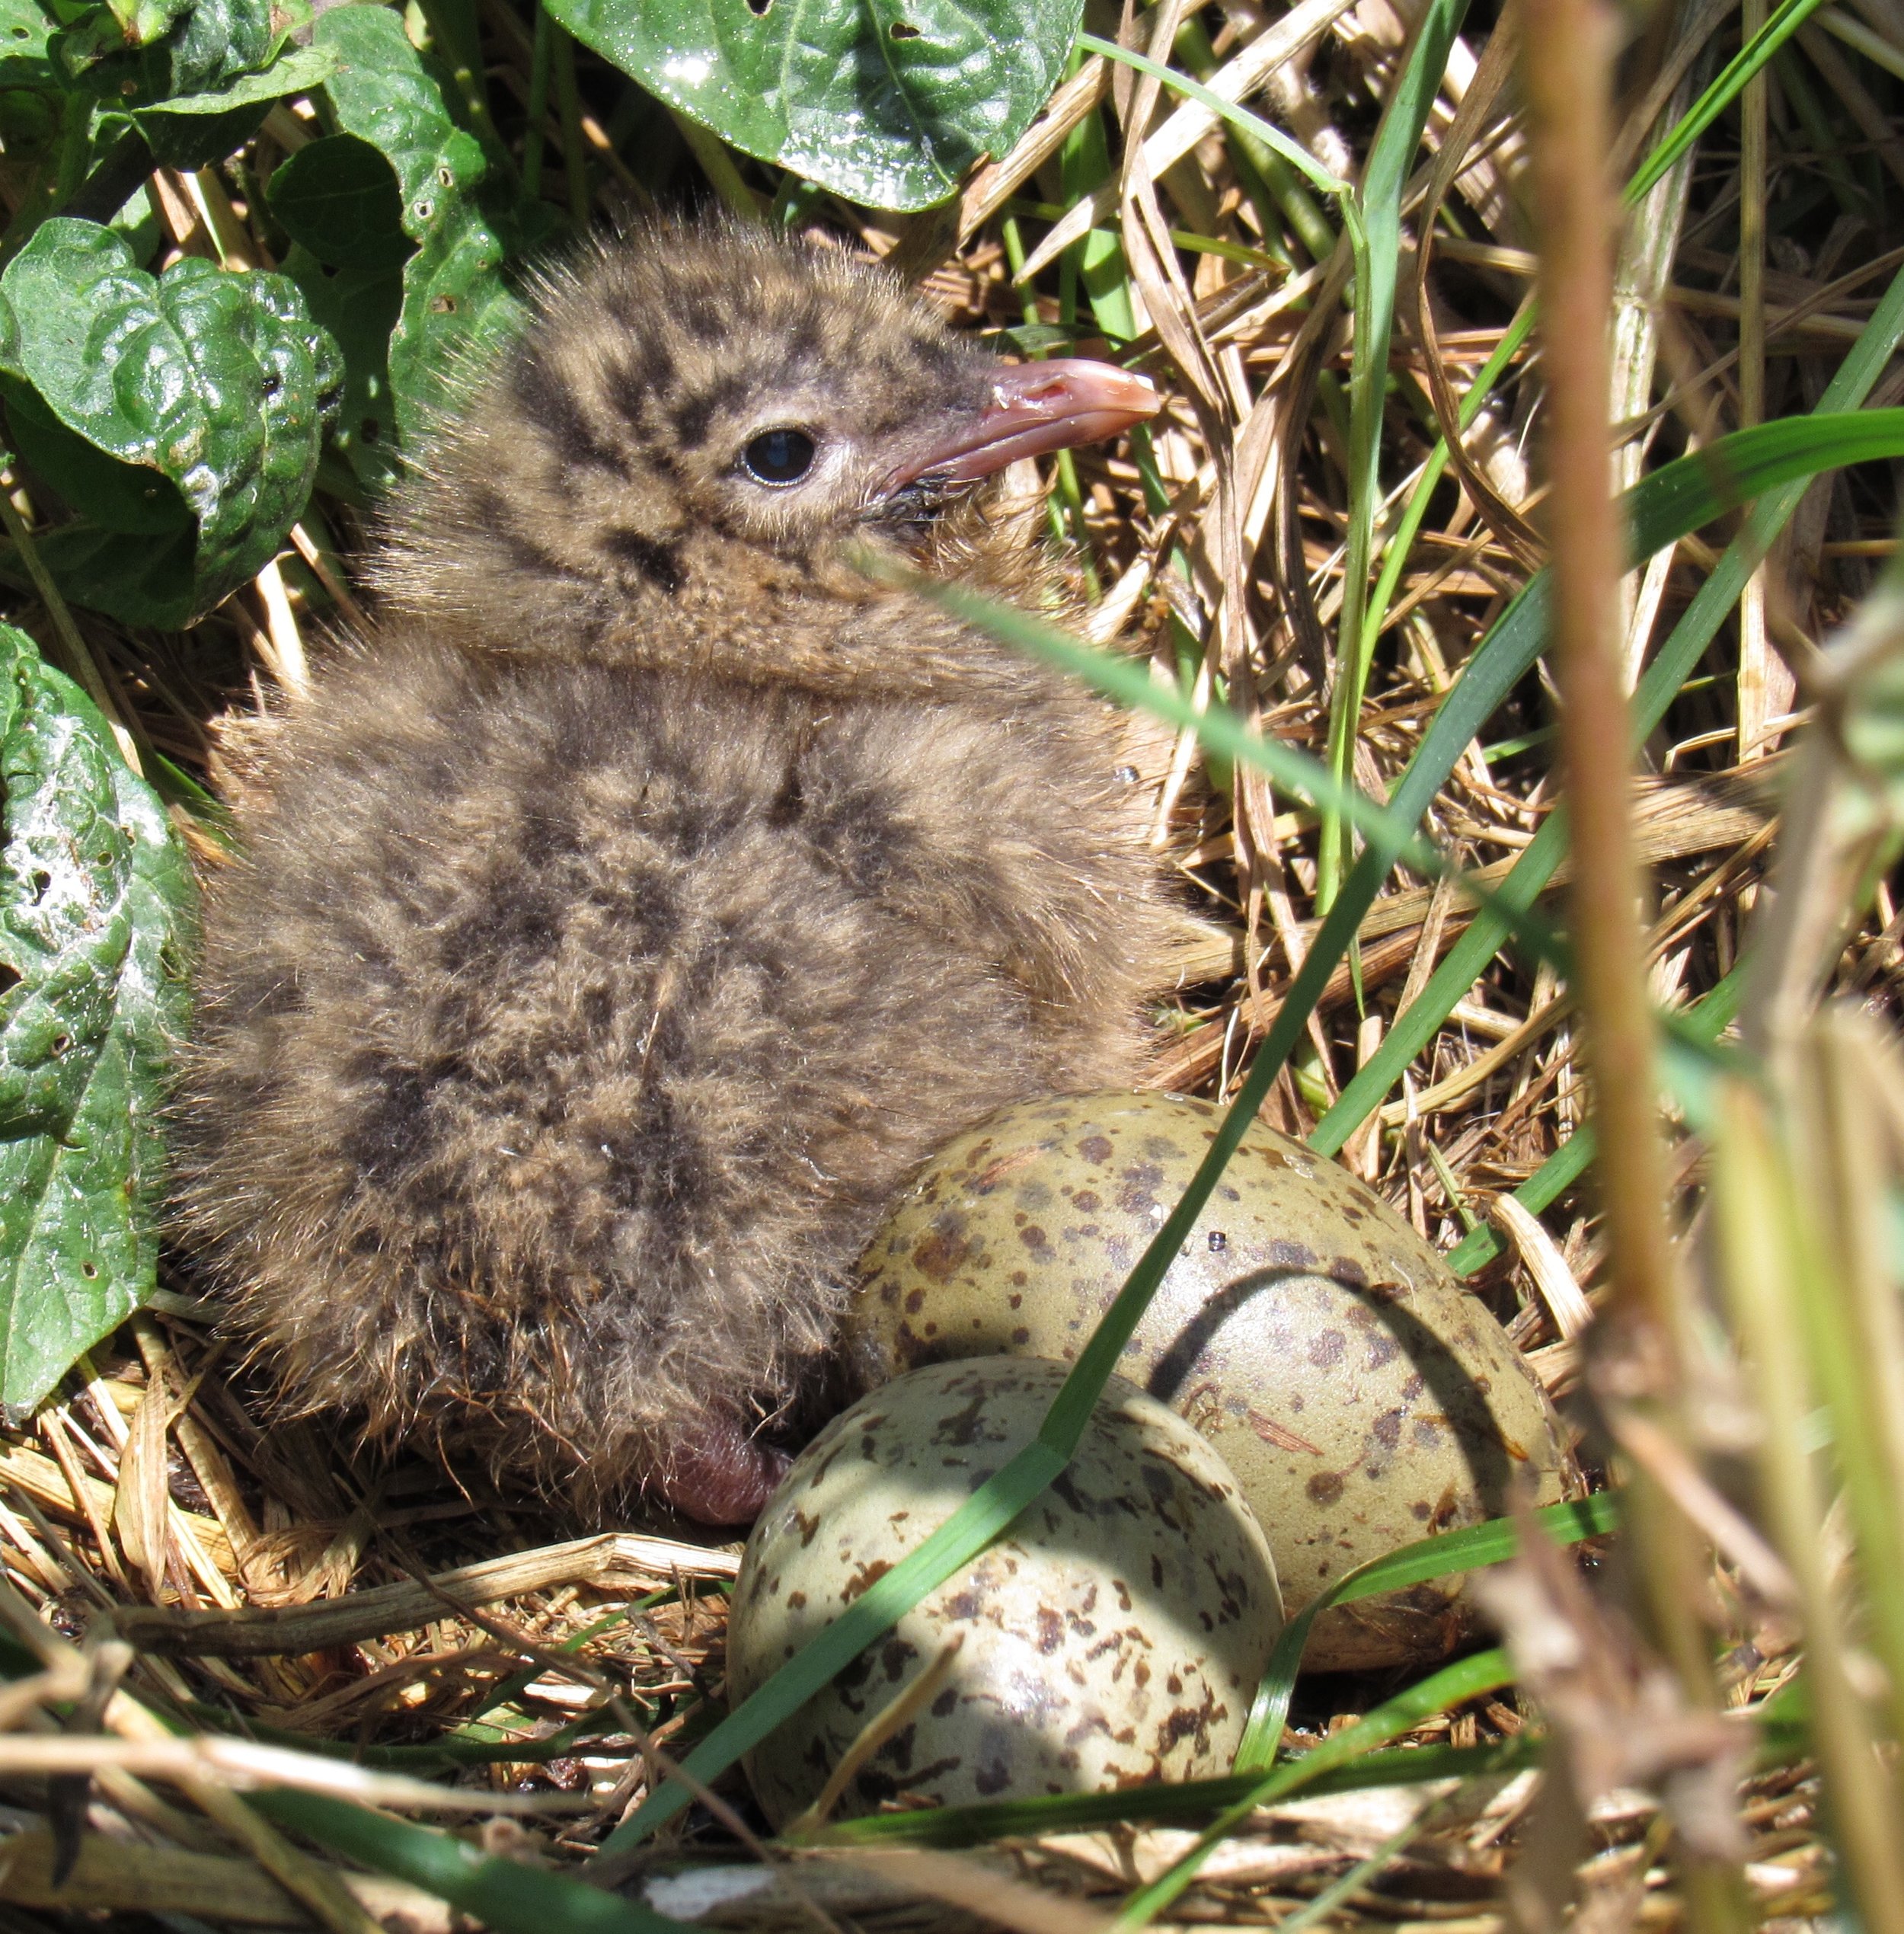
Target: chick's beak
[{"x": 1030, "y": 408}]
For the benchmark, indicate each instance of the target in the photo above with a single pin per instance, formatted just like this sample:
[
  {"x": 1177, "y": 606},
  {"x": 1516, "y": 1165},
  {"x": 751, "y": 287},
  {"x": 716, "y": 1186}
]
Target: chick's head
[{"x": 700, "y": 417}]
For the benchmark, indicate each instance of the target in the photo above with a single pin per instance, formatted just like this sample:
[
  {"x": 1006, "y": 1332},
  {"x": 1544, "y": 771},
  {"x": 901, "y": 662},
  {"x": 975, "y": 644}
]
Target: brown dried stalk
[{"x": 1568, "y": 45}]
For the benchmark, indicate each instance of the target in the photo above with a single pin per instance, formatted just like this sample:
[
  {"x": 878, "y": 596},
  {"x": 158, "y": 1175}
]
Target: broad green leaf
[
  {"x": 202, "y": 49},
  {"x": 96, "y": 909},
  {"x": 115, "y": 575},
  {"x": 359, "y": 305},
  {"x": 454, "y": 301},
  {"x": 221, "y": 382},
  {"x": 192, "y": 130},
  {"x": 888, "y": 102},
  {"x": 194, "y": 141},
  {"x": 339, "y": 197},
  {"x": 295, "y": 70},
  {"x": 25, "y": 29},
  {"x": 131, "y": 498},
  {"x": 142, "y": 21}
]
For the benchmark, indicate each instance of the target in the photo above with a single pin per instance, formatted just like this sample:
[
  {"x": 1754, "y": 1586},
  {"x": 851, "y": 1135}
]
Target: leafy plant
[
  {"x": 184, "y": 411},
  {"x": 887, "y": 101},
  {"x": 95, "y": 932}
]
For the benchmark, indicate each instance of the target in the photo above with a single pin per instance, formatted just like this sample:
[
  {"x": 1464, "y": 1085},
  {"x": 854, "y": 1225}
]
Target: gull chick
[{"x": 618, "y": 923}]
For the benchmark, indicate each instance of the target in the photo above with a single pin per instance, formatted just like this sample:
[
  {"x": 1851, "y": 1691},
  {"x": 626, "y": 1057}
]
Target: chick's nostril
[{"x": 1040, "y": 396}]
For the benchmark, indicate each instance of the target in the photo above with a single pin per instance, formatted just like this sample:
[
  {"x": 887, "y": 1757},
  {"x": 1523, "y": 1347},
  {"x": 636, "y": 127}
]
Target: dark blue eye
[{"x": 779, "y": 456}]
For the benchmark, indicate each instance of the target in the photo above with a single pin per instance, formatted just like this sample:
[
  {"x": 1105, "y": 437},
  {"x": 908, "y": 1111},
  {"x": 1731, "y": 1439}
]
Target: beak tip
[{"x": 1034, "y": 407}]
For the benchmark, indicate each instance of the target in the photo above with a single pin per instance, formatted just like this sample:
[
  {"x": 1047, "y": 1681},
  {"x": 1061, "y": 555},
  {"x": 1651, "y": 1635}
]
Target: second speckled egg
[{"x": 1114, "y": 1633}]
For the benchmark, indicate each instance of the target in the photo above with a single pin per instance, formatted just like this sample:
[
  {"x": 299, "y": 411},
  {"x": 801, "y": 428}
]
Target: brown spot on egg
[{"x": 944, "y": 1250}]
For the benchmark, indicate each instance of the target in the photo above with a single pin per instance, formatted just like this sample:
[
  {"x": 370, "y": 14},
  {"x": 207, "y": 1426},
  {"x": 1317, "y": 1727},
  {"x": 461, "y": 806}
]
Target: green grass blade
[
  {"x": 1780, "y": 1723},
  {"x": 507, "y": 1895},
  {"x": 1780, "y": 24},
  {"x": 1181, "y": 1803},
  {"x": 1297, "y": 156},
  {"x": 1221, "y": 731},
  {"x": 1377, "y": 247},
  {"x": 1466, "y": 1679},
  {"x": 1491, "y": 1543},
  {"x": 1711, "y": 1016}
]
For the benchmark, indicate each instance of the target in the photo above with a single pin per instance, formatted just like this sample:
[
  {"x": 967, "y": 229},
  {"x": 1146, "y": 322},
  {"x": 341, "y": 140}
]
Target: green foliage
[
  {"x": 390, "y": 203},
  {"x": 510, "y": 1895},
  {"x": 886, "y": 102},
  {"x": 182, "y": 410},
  {"x": 190, "y": 51},
  {"x": 96, "y": 905}
]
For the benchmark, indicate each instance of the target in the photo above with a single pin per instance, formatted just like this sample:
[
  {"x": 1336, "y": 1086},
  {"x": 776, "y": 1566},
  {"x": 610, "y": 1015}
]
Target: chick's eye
[{"x": 779, "y": 456}]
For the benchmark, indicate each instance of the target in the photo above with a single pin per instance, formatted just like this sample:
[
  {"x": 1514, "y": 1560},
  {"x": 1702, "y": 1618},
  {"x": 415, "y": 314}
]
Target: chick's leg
[{"x": 716, "y": 1474}]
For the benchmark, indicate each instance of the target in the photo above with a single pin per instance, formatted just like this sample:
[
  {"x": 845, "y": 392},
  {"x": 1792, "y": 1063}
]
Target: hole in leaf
[
  {"x": 903, "y": 30},
  {"x": 442, "y": 305},
  {"x": 42, "y": 880},
  {"x": 274, "y": 382},
  {"x": 425, "y": 209},
  {"x": 445, "y": 178},
  {"x": 89, "y": 1269},
  {"x": 759, "y": 8},
  {"x": 60, "y": 1043},
  {"x": 21, "y": 32},
  {"x": 9, "y": 978}
]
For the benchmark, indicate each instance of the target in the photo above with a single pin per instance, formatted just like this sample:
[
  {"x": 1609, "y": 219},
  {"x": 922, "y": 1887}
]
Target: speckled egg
[
  {"x": 1116, "y": 1633},
  {"x": 1362, "y": 1398}
]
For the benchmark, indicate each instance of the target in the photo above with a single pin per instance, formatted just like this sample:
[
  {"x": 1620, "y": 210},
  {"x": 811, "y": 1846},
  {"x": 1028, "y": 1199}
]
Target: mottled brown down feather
[{"x": 618, "y": 924}]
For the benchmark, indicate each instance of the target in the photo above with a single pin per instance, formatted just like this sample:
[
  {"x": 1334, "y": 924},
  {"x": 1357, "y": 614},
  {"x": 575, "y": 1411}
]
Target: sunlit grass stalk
[
  {"x": 1566, "y": 76},
  {"x": 1401, "y": 546},
  {"x": 1064, "y": 511},
  {"x": 1711, "y": 1017},
  {"x": 1850, "y": 1309},
  {"x": 1761, "y": 1238},
  {"x": 1760, "y": 49},
  {"x": 1372, "y": 218}
]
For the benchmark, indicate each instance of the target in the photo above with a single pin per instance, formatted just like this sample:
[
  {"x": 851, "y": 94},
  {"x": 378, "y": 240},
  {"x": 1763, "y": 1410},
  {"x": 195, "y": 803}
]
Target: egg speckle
[
  {"x": 1362, "y": 1398},
  {"x": 1115, "y": 1634}
]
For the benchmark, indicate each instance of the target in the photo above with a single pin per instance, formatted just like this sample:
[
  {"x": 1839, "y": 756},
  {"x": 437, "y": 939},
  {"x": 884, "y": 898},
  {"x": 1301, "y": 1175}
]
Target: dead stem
[{"x": 1567, "y": 71}]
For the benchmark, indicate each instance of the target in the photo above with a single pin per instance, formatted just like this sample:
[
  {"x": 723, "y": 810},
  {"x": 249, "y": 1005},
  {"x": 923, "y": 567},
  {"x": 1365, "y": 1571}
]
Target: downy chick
[{"x": 619, "y": 923}]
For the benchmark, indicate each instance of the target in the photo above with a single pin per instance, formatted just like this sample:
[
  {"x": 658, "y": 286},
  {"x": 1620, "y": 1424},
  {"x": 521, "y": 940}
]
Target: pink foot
[{"x": 718, "y": 1475}]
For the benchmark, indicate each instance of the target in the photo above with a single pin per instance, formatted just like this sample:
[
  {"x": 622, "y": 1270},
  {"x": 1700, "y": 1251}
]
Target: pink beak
[{"x": 1033, "y": 407}]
